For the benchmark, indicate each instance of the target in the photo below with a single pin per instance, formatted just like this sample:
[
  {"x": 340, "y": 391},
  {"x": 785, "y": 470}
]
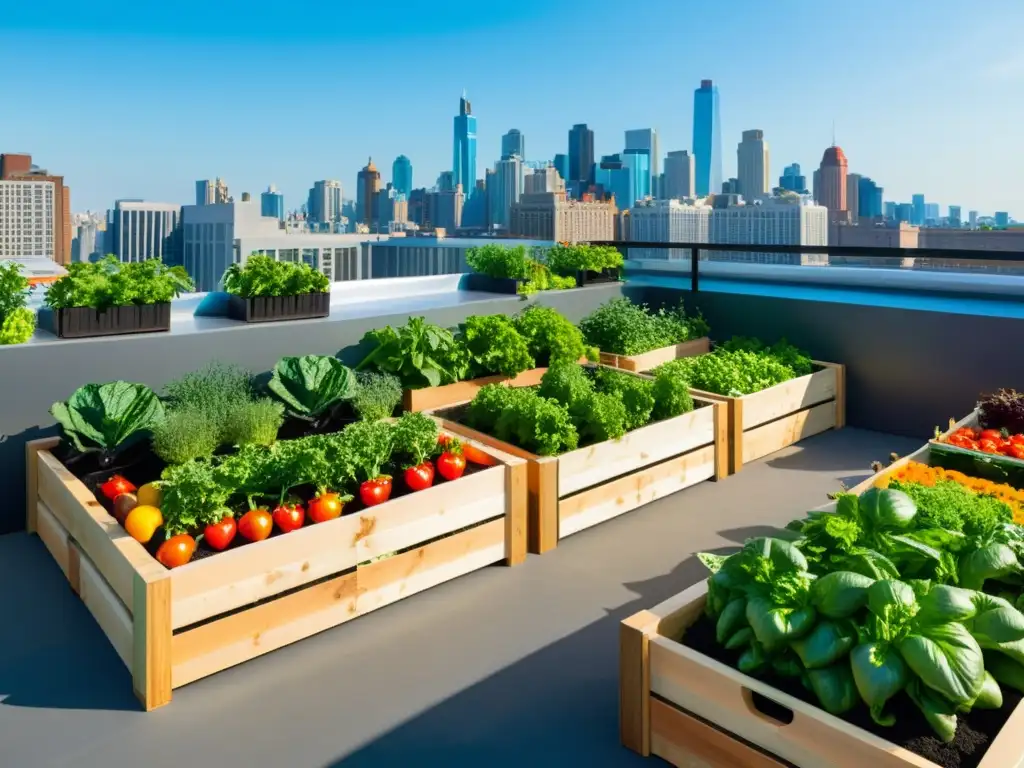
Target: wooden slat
[
  {"x": 542, "y": 506},
  {"x": 840, "y": 392},
  {"x": 776, "y": 435},
  {"x": 151, "y": 650},
  {"x": 722, "y": 695},
  {"x": 110, "y": 613},
  {"x": 641, "y": 447},
  {"x": 245, "y": 635},
  {"x": 596, "y": 505},
  {"x": 634, "y": 684},
  {"x": 684, "y": 741},
  {"x": 244, "y": 575},
  {"x": 788, "y": 397},
  {"x": 56, "y": 539},
  {"x": 430, "y": 398},
  {"x": 115, "y": 554},
  {"x": 650, "y": 360},
  {"x": 32, "y": 448},
  {"x": 721, "y": 440},
  {"x": 516, "y": 503},
  {"x": 1007, "y": 749}
]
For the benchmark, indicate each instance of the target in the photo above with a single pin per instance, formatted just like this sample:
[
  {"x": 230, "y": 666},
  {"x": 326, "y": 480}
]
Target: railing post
[{"x": 694, "y": 271}]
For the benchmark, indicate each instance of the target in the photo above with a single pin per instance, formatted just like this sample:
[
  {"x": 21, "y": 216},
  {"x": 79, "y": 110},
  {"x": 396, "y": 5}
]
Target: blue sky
[{"x": 140, "y": 99}]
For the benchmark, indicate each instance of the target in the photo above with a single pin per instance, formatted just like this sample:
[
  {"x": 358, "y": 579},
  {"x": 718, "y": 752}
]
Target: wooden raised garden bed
[
  {"x": 772, "y": 419},
  {"x": 85, "y": 322},
  {"x": 650, "y": 360},
  {"x": 171, "y": 627},
  {"x": 581, "y": 488},
  {"x": 691, "y": 710}
]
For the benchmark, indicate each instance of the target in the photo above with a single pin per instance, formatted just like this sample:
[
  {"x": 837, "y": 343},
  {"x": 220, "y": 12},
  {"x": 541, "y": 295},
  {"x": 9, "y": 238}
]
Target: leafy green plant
[
  {"x": 730, "y": 372},
  {"x": 415, "y": 438},
  {"x": 550, "y": 337},
  {"x": 377, "y": 395},
  {"x": 368, "y": 445},
  {"x": 253, "y": 422},
  {"x": 494, "y": 346},
  {"x": 105, "y": 418},
  {"x": 671, "y": 396},
  {"x": 264, "y": 276},
  {"x": 419, "y": 353},
  {"x": 185, "y": 435},
  {"x": 568, "y": 259},
  {"x": 17, "y": 322},
  {"x": 623, "y": 328},
  {"x": 500, "y": 261},
  {"x": 782, "y": 351},
  {"x": 636, "y": 394},
  {"x": 541, "y": 279},
  {"x": 110, "y": 283},
  {"x": 522, "y": 417},
  {"x": 312, "y": 386},
  {"x": 194, "y": 495}
]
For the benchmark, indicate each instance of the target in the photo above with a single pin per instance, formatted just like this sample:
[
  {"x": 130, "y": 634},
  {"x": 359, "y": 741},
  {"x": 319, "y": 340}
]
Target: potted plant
[
  {"x": 17, "y": 322},
  {"x": 586, "y": 263},
  {"x": 108, "y": 297},
  {"x": 264, "y": 289},
  {"x": 501, "y": 269}
]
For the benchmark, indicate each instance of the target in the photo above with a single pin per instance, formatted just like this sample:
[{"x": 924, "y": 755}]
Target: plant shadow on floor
[
  {"x": 557, "y": 706},
  {"x": 839, "y": 450},
  {"x": 52, "y": 653}
]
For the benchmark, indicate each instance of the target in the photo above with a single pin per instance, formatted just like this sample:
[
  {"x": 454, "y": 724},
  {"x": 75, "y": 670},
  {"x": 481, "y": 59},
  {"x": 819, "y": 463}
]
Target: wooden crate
[
  {"x": 690, "y": 710},
  {"x": 581, "y": 488},
  {"x": 772, "y": 419},
  {"x": 171, "y": 627},
  {"x": 430, "y": 398},
  {"x": 650, "y": 360}
]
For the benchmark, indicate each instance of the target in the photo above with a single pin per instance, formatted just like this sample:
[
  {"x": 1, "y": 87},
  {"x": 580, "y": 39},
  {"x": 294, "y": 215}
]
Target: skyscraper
[
  {"x": 513, "y": 143},
  {"x": 581, "y": 157},
  {"x": 752, "y": 164},
  {"x": 506, "y": 189},
  {"x": 1002, "y": 219},
  {"x": 562, "y": 166},
  {"x": 141, "y": 231},
  {"x": 869, "y": 199},
  {"x": 211, "y": 192},
  {"x": 792, "y": 180},
  {"x": 931, "y": 213},
  {"x": 679, "y": 175},
  {"x": 954, "y": 216},
  {"x": 272, "y": 203},
  {"x": 325, "y": 201},
  {"x": 401, "y": 175},
  {"x": 707, "y": 139},
  {"x": 919, "y": 214},
  {"x": 830, "y": 187},
  {"x": 646, "y": 139},
  {"x": 464, "y": 150},
  {"x": 369, "y": 183},
  {"x": 853, "y": 196},
  {"x": 638, "y": 164},
  {"x": 35, "y": 211}
]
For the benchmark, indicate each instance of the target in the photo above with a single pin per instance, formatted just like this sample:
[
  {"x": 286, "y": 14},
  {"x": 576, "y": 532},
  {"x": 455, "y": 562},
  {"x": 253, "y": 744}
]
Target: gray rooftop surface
[{"x": 503, "y": 667}]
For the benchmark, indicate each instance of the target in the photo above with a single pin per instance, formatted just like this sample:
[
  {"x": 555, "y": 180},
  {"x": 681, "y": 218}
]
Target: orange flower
[{"x": 922, "y": 474}]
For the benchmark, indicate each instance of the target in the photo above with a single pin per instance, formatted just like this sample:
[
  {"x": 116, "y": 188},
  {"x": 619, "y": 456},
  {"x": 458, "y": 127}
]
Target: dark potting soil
[{"x": 974, "y": 734}]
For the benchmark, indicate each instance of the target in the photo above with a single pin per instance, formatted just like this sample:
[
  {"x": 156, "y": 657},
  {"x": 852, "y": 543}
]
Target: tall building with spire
[
  {"x": 707, "y": 139},
  {"x": 368, "y": 185},
  {"x": 830, "y": 183},
  {"x": 464, "y": 146}
]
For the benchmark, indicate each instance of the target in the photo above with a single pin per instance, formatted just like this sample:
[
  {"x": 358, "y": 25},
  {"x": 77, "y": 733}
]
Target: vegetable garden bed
[
  {"x": 586, "y": 486},
  {"x": 688, "y": 708},
  {"x": 654, "y": 358},
  {"x": 768, "y": 421},
  {"x": 84, "y": 322},
  {"x": 171, "y": 627}
]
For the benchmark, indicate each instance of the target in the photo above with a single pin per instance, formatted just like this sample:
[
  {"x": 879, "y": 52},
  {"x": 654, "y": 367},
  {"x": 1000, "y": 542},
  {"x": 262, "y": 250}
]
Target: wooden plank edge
[
  {"x": 151, "y": 650},
  {"x": 802, "y": 420},
  {"x": 1006, "y": 749},
  {"x": 635, "y": 684},
  {"x": 516, "y": 511},
  {"x": 32, "y": 449}
]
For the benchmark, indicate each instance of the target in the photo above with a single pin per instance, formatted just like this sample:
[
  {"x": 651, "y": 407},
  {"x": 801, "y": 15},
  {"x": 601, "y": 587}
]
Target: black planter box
[
  {"x": 487, "y": 284},
  {"x": 588, "y": 277},
  {"x": 82, "y": 322},
  {"x": 264, "y": 309}
]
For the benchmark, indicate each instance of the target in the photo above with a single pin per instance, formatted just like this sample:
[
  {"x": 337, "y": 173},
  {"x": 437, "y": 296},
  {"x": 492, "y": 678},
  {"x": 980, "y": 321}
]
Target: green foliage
[
  {"x": 550, "y": 337},
  {"x": 635, "y": 394},
  {"x": 17, "y": 326},
  {"x": 312, "y": 385},
  {"x": 105, "y": 417},
  {"x": 264, "y": 276},
  {"x": 17, "y": 322},
  {"x": 494, "y": 346},
  {"x": 567, "y": 383},
  {"x": 600, "y": 417},
  {"x": 623, "y": 328},
  {"x": 671, "y": 396},
  {"x": 952, "y": 506},
  {"x": 568, "y": 259},
  {"x": 524, "y": 418},
  {"x": 377, "y": 395},
  {"x": 796, "y": 359},
  {"x": 734, "y": 373},
  {"x": 110, "y": 283},
  {"x": 415, "y": 438},
  {"x": 419, "y": 353},
  {"x": 253, "y": 422},
  {"x": 185, "y": 435},
  {"x": 501, "y": 261}
]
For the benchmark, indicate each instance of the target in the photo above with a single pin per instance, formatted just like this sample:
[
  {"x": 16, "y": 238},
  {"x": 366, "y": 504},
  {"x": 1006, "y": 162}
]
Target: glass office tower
[{"x": 707, "y": 139}]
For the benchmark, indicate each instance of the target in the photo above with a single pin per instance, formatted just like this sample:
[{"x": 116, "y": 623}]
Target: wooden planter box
[
  {"x": 171, "y": 627},
  {"x": 430, "y": 398},
  {"x": 772, "y": 419},
  {"x": 84, "y": 322},
  {"x": 265, "y": 309},
  {"x": 581, "y": 488},
  {"x": 690, "y": 710},
  {"x": 650, "y": 360}
]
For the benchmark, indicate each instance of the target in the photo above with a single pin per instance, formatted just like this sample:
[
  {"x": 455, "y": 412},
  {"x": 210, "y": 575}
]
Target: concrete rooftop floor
[{"x": 503, "y": 667}]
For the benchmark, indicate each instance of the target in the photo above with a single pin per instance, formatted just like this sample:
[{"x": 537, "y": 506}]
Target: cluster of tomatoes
[
  {"x": 988, "y": 441},
  {"x": 138, "y": 509}
]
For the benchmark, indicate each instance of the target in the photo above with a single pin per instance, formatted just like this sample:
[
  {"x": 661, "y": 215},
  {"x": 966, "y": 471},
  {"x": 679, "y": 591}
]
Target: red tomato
[
  {"x": 220, "y": 535},
  {"x": 962, "y": 441},
  {"x": 1017, "y": 451},
  {"x": 988, "y": 446},
  {"x": 451, "y": 465},
  {"x": 991, "y": 434},
  {"x": 375, "y": 491},
  {"x": 115, "y": 486},
  {"x": 1017, "y": 439},
  {"x": 176, "y": 551},
  {"x": 420, "y": 477},
  {"x": 325, "y": 506},
  {"x": 475, "y": 456},
  {"x": 256, "y": 525},
  {"x": 289, "y": 517},
  {"x": 966, "y": 432}
]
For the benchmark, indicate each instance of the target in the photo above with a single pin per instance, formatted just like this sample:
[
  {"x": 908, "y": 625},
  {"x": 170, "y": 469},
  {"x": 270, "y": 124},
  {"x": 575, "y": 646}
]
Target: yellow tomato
[
  {"x": 149, "y": 495},
  {"x": 142, "y": 523}
]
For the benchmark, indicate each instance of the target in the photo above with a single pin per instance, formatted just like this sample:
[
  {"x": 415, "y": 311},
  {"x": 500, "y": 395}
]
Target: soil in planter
[{"x": 974, "y": 734}]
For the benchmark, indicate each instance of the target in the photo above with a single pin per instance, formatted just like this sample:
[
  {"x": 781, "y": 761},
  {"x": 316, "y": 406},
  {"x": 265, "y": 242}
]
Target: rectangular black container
[
  {"x": 83, "y": 322},
  {"x": 487, "y": 284},
  {"x": 264, "y": 309},
  {"x": 588, "y": 277}
]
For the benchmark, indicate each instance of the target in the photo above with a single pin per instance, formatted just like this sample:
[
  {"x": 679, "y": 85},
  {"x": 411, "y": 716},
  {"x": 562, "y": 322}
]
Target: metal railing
[{"x": 873, "y": 252}]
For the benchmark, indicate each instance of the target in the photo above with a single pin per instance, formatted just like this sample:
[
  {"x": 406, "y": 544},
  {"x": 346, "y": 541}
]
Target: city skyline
[{"x": 139, "y": 152}]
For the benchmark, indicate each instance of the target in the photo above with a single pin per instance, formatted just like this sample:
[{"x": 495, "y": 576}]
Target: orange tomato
[
  {"x": 142, "y": 522},
  {"x": 176, "y": 551},
  {"x": 256, "y": 525}
]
